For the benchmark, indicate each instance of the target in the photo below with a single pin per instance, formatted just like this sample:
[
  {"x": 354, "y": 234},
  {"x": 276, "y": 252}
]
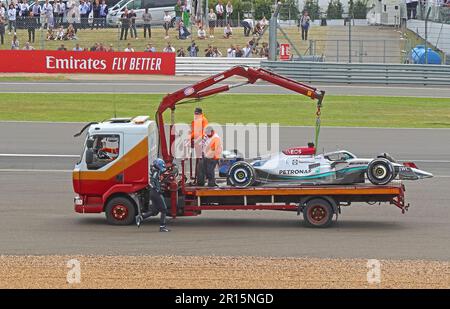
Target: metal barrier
[
  {"x": 361, "y": 50},
  {"x": 210, "y": 66},
  {"x": 357, "y": 73}
]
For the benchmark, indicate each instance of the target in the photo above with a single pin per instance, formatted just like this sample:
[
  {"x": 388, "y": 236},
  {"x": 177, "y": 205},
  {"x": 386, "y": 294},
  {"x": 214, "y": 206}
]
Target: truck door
[
  {"x": 102, "y": 165},
  {"x": 135, "y": 160}
]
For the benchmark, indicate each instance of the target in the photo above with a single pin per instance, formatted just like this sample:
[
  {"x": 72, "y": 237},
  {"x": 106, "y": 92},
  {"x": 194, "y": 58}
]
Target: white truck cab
[{"x": 116, "y": 158}]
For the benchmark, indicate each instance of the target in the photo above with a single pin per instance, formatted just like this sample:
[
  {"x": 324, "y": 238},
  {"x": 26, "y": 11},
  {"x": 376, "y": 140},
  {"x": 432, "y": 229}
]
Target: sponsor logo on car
[{"x": 294, "y": 172}]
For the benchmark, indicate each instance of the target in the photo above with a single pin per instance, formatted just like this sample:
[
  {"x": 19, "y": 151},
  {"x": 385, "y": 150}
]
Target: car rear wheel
[
  {"x": 380, "y": 171},
  {"x": 120, "y": 211},
  {"x": 318, "y": 213},
  {"x": 241, "y": 175}
]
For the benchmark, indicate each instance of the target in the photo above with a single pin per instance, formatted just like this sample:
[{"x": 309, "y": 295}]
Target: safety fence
[
  {"x": 357, "y": 50},
  {"x": 210, "y": 66},
  {"x": 356, "y": 73}
]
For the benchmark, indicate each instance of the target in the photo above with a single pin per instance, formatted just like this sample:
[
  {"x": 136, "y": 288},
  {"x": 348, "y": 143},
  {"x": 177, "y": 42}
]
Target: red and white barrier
[{"x": 18, "y": 61}]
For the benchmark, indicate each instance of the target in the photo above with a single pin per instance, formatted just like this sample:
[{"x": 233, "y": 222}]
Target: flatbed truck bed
[{"x": 317, "y": 203}]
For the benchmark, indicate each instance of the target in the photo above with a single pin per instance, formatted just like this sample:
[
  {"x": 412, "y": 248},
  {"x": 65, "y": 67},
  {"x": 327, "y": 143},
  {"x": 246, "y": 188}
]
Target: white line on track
[
  {"x": 6, "y": 170},
  {"x": 32, "y": 155}
]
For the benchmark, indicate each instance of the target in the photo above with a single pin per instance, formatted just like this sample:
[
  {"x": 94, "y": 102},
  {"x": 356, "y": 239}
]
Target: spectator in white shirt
[
  {"x": 212, "y": 19},
  {"x": 167, "y": 22},
  {"x": 220, "y": 13},
  {"x": 2, "y": 10},
  {"x": 28, "y": 46},
  {"x": 103, "y": 13},
  {"x": 150, "y": 48},
  {"x": 231, "y": 52},
  {"x": 11, "y": 19},
  {"x": 216, "y": 52},
  {"x": 60, "y": 34},
  {"x": 47, "y": 11},
  {"x": 201, "y": 33},
  {"x": 227, "y": 32},
  {"x": 15, "y": 42},
  {"x": 77, "y": 47},
  {"x": 229, "y": 11},
  {"x": 24, "y": 11},
  {"x": 58, "y": 12},
  {"x": 36, "y": 11},
  {"x": 84, "y": 14},
  {"x": 247, "y": 51},
  {"x": 129, "y": 48},
  {"x": 169, "y": 49}
]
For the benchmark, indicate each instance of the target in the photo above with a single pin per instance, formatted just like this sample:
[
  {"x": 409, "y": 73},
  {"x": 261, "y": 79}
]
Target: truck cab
[{"x": 114, "y": 162}]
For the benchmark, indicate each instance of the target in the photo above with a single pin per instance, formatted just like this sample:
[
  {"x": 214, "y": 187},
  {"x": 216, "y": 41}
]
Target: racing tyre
[
  {"x": 241, "y": 175},
  {"x": 318, "y": 213},
  {"x": 380, "y": 171},
  {"x": 120, "y": 211}
]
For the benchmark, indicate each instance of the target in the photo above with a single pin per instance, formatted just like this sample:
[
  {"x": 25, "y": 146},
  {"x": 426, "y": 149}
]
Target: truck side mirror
[
  {"x": 89, "y": 143},
  {"x": 89, "y": 156}
]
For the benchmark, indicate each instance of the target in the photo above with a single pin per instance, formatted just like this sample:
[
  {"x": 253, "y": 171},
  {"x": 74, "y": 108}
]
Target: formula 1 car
[{"x": 300, "y": 165}]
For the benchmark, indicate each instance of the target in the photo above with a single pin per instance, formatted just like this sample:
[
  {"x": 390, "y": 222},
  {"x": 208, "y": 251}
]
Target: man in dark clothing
[
  {"x": 147, "y": 18},
  {"x": 2, "y": 30},
  {"x": 193, "y": 50},
  {"x": 156, "y": 195},
  {"x": 132, "y": 17},
  {"x": 125, "y": 25},
  {"x": 96, "y": 14},
  {"x": 31, "y": 24}
]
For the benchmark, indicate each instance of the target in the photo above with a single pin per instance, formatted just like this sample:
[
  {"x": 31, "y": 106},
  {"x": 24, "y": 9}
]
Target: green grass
[{"x": 233, "y": 108}]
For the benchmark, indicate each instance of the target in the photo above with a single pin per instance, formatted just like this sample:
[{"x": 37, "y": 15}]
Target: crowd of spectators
[
  {"x": 234, "y": 51},
  {"x": 57, "y": 20}
]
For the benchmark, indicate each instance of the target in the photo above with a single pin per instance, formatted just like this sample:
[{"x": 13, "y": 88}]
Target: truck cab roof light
[{"x": 140, "y": 119}]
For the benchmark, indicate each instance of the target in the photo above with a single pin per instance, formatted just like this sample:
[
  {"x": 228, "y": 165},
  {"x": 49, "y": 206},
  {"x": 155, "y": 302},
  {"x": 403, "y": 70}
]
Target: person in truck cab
[
  {"x": 157, "y": 169},
  {"x": 110, "y": 148}
]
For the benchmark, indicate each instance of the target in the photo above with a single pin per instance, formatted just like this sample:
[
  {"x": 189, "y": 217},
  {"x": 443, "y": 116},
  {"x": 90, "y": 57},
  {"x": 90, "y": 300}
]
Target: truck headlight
[{"x": 78, "y": 200}]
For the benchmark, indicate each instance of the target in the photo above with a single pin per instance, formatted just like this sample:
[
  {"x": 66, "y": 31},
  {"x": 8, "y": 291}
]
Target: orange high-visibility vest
[
  {"x": 213, "y": 147},
  {"x": 198, "y": 126}
]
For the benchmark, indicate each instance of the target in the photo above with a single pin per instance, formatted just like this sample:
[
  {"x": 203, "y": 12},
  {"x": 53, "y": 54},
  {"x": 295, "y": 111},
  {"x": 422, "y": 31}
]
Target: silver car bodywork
[{"x": 339, "y": 167}]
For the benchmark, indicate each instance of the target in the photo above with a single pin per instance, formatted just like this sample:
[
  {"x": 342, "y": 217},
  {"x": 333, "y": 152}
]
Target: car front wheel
[
  {"x": 380, "y": 171},
  {"x": 241, "y": 175}
]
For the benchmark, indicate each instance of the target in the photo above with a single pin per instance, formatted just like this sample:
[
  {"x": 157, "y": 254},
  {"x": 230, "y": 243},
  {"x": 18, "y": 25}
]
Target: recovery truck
[{"x": 112, "y": 175}]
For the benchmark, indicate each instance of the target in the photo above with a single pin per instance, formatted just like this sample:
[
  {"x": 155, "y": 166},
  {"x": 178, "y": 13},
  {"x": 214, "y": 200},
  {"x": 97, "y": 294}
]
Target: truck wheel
[
  {"x": 318, "y": 213},
  {"x": 380, "y": 171},
  {"x": 120, "y": 211},
  {"x": 241, "y": 175}
]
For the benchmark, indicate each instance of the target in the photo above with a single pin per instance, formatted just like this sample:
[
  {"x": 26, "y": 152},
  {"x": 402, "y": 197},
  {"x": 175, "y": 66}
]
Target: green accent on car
[{"x": 345, "y": 170}]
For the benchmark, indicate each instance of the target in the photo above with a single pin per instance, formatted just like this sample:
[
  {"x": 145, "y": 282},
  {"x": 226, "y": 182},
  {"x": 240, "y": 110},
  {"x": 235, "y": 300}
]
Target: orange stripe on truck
[{"x": 136, "y": 154}]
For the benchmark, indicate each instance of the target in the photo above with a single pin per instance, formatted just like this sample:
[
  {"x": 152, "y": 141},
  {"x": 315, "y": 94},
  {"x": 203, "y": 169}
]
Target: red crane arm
[{"x": 198, "y": 91}]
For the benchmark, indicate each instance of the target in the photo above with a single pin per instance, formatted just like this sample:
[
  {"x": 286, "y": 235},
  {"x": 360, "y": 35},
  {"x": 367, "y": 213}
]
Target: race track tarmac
[
  {"x": 176, "y": 83},
  {"x": 38, "y": 218}
]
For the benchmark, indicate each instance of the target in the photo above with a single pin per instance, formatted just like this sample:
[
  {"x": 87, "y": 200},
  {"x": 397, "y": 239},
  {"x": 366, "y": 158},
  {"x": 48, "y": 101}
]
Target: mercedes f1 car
[{"x": 301, "y": 165}]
